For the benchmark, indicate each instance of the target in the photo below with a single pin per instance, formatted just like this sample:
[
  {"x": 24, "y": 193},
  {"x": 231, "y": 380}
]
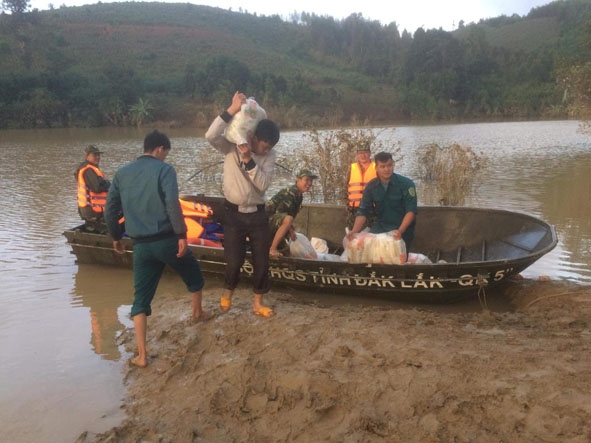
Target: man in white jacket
[{"x": 248, "y": 171}]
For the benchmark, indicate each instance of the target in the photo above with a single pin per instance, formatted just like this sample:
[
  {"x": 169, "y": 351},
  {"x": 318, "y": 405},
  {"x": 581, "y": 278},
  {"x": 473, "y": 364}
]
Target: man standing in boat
[
  {"x": 146, "y": 191},
  {"x": 394, "y": 199},
  {"x": 360, "y": 174},
  {"x": 283, "y": 208},
  {"x": 248, "y": 170},
  {"x": 92, "y": 190}
]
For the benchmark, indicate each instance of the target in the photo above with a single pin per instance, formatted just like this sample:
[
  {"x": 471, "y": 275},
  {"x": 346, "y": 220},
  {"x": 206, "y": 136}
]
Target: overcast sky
[{"x": 408, "y": 14}]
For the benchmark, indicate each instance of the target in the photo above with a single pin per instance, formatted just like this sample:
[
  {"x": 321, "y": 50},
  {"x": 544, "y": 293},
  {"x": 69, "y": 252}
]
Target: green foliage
[
  {"x": 96, "y": 61},
  {"x": 140, "y": 112},
  {"x": 15, "y": 6}
]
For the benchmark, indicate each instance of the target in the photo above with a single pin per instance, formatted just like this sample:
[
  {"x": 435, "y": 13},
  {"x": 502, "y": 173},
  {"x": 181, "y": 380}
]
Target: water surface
[{"x": 60, "y": 372}]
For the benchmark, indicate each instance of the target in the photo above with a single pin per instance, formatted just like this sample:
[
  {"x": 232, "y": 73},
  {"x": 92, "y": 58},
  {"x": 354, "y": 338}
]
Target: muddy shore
[{"x": 364, "y": 372}]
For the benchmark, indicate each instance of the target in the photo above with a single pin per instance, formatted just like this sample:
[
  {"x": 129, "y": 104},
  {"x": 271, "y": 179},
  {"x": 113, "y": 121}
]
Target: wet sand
[{"x": 371, "y": 372}]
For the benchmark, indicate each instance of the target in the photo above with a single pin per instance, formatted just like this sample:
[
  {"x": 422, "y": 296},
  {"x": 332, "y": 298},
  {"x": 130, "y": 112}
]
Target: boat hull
[{"x": 472, "y": 250}]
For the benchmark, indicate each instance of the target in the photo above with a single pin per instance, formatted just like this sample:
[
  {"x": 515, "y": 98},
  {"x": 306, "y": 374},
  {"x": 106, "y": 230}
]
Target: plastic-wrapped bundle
[
  {"x": 244, "y": 121},
  {"x": 375, "y": 248},
  {"x": 319, "y": 245},
  {"x": 301, "y": 247}
]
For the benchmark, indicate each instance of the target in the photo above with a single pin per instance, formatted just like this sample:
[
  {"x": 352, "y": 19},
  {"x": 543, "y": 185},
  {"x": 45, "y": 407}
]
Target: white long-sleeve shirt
[{"x": 246, "y": 189}]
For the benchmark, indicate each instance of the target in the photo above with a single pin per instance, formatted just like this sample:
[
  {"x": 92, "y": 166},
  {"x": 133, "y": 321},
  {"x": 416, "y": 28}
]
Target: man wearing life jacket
[
  {"x": 92, "y": 190},
  {"x": 361, "y": 173}
]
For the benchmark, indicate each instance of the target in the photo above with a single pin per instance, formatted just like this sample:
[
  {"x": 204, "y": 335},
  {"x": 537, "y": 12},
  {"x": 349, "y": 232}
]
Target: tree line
[{"x": 310, "y": 70}]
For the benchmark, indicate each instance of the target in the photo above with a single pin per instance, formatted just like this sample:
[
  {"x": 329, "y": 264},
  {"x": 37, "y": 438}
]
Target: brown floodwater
[{"x": 61, "y": 367}]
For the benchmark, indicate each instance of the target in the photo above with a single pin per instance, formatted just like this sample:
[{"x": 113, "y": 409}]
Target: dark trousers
[
  {"x": 238, "y": 227},
  {"x": 149, "y": 260}
]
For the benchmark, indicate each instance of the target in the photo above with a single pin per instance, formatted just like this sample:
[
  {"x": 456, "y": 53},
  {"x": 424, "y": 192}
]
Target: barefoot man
[{"x": 146, "y": 191}]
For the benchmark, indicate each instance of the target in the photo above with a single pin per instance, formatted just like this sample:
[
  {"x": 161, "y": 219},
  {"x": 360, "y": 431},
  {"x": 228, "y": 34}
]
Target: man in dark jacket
[{"x": 146, "y": 190}]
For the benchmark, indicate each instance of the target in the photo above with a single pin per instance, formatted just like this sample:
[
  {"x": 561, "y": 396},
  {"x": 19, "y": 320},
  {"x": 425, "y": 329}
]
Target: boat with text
[{"x": 470, "y": 250}]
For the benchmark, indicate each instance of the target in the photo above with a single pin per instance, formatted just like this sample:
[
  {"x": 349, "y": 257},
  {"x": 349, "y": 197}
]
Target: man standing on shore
[
  {"x": 248, "y": 170},
  {"x": 146, "y": 191}
]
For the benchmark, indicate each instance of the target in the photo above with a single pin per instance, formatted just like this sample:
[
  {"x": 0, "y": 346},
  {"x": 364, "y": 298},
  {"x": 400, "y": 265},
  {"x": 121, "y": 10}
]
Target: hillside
[
  {"x": 127, "y": 63},
  {"x": 153, "y": 37}
]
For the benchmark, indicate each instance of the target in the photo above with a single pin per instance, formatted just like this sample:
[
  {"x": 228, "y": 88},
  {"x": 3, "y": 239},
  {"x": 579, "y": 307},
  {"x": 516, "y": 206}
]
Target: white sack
[
  {"x": 245, "y": 120},
  {"x": 301, "y": 247},
  {"x": 375, "y": 248}
]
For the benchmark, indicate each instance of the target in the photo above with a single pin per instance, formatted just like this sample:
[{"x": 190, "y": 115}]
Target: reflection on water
[
  {"x": 64, "y": 318},
  {"x": 105, "y": 298}
]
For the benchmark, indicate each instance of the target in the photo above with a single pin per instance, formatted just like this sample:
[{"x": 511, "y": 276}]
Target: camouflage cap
[
  {"x": 306, "y": 173},
  {"x": 91, "y": 149},
  {"x": 364, "y": 145}
]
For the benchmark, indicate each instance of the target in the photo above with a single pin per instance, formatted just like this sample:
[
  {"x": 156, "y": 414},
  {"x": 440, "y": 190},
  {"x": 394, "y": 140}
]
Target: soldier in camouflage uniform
[{"x": 282, "y": 209}]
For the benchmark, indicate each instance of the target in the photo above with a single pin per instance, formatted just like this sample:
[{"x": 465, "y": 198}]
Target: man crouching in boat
[
  {"x": 146, "y": 190},
  {"x": 248, "y": 170},
  {"x": 283, "y": 208},
  {"x": 394, "y": 199}
]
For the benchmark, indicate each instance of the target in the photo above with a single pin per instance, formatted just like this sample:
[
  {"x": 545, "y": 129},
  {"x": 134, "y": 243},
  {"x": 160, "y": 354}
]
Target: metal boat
[{"x": 471, "y": 250}]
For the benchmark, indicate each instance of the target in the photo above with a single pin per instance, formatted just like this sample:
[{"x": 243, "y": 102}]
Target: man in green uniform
[
  {"x": 283, "y": 208},
  {"x": 394, "y": 199}
]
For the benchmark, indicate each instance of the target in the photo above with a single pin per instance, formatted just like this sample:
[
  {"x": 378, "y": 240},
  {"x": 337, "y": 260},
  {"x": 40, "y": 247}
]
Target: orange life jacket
[
  {"x": 357, "y": 182},
  {"x": 194, "y": 214},
  {"x": 86, "y": 197},
  {"x": 194, "y": 209}
]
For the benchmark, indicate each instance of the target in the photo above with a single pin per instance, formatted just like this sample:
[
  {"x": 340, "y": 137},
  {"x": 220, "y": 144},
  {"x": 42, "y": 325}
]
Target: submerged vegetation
[
  {"x": 449, "y": 172},
  {"x": 331, "y": 153}
]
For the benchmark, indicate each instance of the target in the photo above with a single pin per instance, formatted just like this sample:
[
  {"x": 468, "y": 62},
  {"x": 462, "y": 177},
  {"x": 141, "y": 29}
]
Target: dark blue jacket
[{"x": 146, "y": 190}]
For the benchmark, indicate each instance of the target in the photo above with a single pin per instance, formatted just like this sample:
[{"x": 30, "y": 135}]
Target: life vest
[
  {"x": 194, "y": 209},
  {"x": 195, "y": 214},
  {"x": 194, "y": 230},
  {"x": 357, "y": 182},
  {"x": 86, "y": 197}
]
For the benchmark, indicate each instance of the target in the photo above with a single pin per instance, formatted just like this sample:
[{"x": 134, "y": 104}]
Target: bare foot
[
  {"x": 139, "y": 361},
  {"x": 202, "y": 317}
]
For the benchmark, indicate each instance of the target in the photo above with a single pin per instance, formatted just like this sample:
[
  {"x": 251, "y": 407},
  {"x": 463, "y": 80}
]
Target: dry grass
[
  {"x": 575, "y": 81},
  {"x": 450, "y": 172}
]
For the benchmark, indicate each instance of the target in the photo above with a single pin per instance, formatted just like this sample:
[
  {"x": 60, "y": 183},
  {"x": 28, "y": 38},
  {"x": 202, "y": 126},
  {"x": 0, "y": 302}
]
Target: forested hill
[{"x": 129, "y": 63}]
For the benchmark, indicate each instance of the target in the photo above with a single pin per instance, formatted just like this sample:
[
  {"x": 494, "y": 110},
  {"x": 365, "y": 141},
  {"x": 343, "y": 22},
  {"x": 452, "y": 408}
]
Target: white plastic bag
[
  {"x": 415, "y": 258},
  {"x": 246, "y": 120},
  {"x": 319, "y": 245},
  {"x": 375, "y": 248},
  {"x": 329, "y": 257},
  {"x": 301, "y": 247}
]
